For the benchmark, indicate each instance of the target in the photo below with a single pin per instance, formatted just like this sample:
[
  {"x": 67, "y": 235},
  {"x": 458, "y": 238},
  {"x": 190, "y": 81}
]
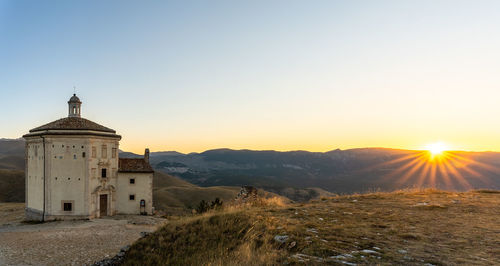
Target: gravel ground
[{"x": 66, "y": 242}]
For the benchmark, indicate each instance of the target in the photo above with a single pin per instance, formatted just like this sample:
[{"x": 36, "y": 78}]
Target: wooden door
[{"x": 103, "y": 205}]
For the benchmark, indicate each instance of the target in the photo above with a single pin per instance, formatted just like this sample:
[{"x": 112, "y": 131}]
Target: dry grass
[
  {"x": 11, "y": 213},
  {"x": 403, "y": 227}
]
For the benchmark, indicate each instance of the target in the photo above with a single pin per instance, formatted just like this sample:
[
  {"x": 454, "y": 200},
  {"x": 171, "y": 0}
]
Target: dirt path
[{"x": 66, "y": 242}]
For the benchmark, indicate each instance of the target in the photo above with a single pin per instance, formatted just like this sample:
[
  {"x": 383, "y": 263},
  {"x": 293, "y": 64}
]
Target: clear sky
[{"x": 284, "y": 75}]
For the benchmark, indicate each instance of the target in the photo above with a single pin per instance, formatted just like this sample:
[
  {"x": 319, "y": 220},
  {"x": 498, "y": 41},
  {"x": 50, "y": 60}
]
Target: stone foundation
[
  {"x": 37, "y": 215},
  {"x": 33, "y": 215},
  {"x": 66, "y": 217}
]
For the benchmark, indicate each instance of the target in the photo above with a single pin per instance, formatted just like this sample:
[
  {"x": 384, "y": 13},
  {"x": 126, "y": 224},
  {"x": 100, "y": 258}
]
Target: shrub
[
  {"x": 216, "y": 204},
  {"x": 202, "y": 207}
]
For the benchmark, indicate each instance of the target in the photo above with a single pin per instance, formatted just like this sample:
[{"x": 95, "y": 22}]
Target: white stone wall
[
  {"x": 142, "y": 189},
  {"x": 69, "y": 175},
  {"x": 34, "y": 174}
]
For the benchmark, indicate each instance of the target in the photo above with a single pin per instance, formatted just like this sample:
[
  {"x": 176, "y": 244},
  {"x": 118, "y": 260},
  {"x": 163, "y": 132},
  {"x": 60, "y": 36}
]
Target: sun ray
[
  {"x": 408, "y": 157},
  {"x": 401, "y": 169},
  {"x": 460, "y": 178},
  {"x": 435, "y": 168},
  {"x": 409, "y": 173},
  {"x": 466, "y": 167},
  {"x": 432, "y": 177},
  {"x": 488, "y": 167},
  {"x": 442, "y": 166},
  {"x": 425, "y": 172}
]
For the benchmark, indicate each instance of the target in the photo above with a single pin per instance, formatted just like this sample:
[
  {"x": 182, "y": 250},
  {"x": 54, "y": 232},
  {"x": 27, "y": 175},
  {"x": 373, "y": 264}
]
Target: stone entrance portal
[{"x": 103, "y": 205}]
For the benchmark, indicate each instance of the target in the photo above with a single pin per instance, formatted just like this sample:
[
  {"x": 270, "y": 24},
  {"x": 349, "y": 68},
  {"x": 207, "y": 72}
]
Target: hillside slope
[
  {"x": 175, "y": 195},
  {"x": 416, "y": 228},
  {"x": 11, "y": 185}
]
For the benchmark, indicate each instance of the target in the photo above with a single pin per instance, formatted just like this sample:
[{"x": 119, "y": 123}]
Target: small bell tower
[{"x": 74, "y": 105}]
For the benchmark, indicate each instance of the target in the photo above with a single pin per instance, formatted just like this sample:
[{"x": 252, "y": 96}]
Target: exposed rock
[
  {"x": 247, "y": 194},
  {"x": 281, "y": 239}
]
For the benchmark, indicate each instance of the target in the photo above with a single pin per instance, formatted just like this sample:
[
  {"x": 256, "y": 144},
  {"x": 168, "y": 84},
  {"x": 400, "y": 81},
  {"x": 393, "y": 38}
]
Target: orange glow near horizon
[{"x": 189, "y": 147}]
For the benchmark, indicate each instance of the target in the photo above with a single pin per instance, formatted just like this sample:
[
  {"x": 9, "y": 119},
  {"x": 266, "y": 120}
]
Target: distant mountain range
[
  {"x": 337, "y": 171},
  {"x": 301, "y": 175}
]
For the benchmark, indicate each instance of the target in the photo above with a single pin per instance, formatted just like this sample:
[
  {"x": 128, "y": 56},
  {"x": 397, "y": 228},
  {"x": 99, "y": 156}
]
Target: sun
[{"x": 436, "y": 148}]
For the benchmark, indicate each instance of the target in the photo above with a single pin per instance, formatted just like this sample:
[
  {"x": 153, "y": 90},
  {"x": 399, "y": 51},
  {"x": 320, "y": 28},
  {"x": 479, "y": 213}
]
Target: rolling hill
[{"x": 178, "y": 196}]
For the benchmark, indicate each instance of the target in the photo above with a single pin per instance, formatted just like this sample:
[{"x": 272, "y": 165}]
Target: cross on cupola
[{"x": 74, "y": 105}]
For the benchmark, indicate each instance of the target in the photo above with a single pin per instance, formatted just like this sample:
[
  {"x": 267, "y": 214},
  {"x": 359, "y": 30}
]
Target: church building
[{"x": 73, "y": 171}]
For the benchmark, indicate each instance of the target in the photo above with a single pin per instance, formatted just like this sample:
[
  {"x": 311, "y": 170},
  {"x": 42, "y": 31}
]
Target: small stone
[
  {"x": 281, "y": 238},
  {"x": 369, "y": 251}
]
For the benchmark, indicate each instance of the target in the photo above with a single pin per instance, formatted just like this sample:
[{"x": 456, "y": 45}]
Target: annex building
[{"x": 73, "y": 171}]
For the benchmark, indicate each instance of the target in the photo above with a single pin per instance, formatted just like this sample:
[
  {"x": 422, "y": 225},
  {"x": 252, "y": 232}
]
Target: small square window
[
  {"x": 131, "y": 197},
  {"x": 68, "y": 206},
  {"x": 132, "y": 180}
]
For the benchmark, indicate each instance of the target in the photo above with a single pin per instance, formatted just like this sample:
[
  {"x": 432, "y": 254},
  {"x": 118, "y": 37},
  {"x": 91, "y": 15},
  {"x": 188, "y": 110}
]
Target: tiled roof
[
  {"x": 134, "y": 165},
  {"x": 73, "y": 123}
]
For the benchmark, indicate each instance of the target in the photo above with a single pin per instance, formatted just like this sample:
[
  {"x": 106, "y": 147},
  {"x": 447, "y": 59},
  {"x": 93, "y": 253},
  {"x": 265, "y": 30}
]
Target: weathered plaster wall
[
  {"x": 142, "y": 189},
  {"x": 34, "y": 174}
]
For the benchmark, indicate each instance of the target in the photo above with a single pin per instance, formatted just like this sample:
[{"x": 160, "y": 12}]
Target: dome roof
[
  {"x": 73, "y": 123},
  {"x": 74, "y": 99}
]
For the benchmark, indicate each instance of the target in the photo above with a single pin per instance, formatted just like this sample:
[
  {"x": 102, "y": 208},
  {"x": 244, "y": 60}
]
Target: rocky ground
[{"x": 66, "y": 242}]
